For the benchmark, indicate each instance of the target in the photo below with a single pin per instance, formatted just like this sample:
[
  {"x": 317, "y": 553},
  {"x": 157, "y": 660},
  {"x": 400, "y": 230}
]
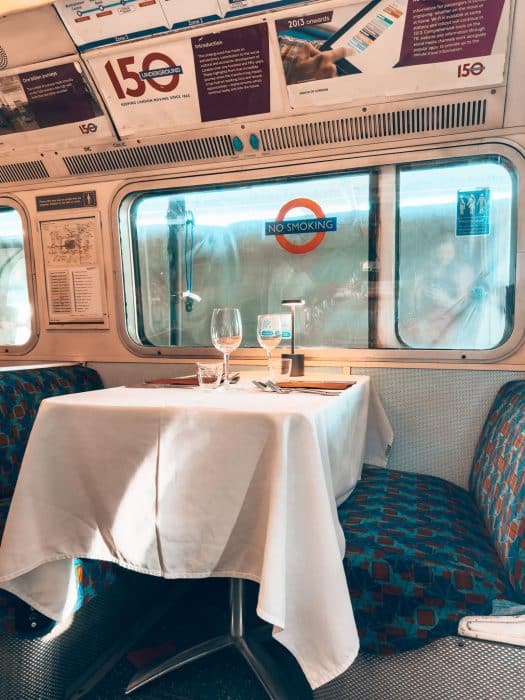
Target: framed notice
[{"x": 74, "y": 270}]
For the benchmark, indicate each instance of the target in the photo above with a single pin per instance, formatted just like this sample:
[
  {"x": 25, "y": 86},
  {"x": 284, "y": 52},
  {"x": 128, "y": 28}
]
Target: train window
[
  {"x": 15, "y": 307},
  {"x": 455, "y": 254},
  {"x": 410, "y": 257},
  {"x": 251, "y": 246}
]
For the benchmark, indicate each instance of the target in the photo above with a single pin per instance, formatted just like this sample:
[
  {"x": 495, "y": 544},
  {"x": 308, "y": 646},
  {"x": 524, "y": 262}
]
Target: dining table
[{"x": 188, "y": 482}]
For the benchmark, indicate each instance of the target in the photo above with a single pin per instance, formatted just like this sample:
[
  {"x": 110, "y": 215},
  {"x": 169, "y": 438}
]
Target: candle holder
[{"x": 297, "y": 369}]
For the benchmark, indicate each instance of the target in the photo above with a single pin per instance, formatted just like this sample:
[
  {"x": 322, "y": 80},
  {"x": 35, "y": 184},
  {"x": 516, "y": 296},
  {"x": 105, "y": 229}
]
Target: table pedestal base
[{"x": 257, "y": 658}]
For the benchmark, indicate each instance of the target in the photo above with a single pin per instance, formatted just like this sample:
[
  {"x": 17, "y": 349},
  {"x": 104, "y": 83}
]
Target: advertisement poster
[
  {"x": 149, "y": 88},
  {"x": 74, "y": 271},
  {"x": 233, "y": 72},
  {"x": 56, "y": 95},
  {"x": 188, "y": 14},
  {"x": 93, "y": 23},
  {"x": 384, "y": 48}
]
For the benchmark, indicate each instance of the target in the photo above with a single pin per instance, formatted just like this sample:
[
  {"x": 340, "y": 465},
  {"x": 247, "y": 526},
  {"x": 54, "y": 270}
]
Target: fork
[{"x": 279, "y": 390}]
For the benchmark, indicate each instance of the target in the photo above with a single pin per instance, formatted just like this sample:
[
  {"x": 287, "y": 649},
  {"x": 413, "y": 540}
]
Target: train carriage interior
[{"x": 262, "y": 321}]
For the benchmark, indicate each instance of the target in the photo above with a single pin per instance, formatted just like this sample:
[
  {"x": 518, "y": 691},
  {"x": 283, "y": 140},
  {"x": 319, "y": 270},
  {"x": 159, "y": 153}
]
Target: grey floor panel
[{"x": 449, "y": 669}]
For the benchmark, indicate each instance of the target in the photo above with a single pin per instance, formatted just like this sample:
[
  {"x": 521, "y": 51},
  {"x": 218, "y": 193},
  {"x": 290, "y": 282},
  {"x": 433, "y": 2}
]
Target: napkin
[{"x": 304, "y": 383}]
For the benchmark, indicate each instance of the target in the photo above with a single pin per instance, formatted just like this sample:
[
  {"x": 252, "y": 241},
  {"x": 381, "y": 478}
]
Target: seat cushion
[
  {"x": 497, "y": 480},
  {"x": 21, "y": 392},
  {"x": 418, "y": 558}
]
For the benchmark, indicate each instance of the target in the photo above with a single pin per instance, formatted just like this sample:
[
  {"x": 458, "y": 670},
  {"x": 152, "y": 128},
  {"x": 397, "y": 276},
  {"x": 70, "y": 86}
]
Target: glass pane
[
  {"x": 15, "y": 309},
  {"x": 194, "y": 251},
  {"x": 455, "y": 255}
]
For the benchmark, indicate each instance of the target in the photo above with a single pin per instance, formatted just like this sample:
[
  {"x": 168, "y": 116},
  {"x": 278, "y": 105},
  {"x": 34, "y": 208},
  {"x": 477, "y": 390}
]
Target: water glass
[
  {"x": 269, "y": 335},
  {"x": 209, "y": 374},
  {"x": 226, "y": 334}
]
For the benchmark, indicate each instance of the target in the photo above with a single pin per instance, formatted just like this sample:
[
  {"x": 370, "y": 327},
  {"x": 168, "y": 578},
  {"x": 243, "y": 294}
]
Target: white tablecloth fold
[{"x": 187, "y": 483}]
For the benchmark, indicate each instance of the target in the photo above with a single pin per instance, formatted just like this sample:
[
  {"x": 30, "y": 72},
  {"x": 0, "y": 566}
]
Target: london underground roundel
[{"x": 317, "y": 238}]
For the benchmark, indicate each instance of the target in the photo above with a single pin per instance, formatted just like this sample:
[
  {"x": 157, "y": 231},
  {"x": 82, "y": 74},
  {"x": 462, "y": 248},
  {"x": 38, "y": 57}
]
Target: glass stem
[
  {"x": 226, "y": 370},
  {"x": 269, "y": 360}
]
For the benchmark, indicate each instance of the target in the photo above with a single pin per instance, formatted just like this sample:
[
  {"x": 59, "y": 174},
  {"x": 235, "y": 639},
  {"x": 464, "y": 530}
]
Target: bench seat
[
  {"x": 418, "y": 558},
  {"x": 21, "y": 392},
  {"x": 421, "y": 552}
]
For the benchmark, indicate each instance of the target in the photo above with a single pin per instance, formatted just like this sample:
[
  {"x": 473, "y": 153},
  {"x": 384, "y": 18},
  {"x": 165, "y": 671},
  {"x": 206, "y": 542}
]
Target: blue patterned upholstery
[
  {"x": 418, "y": 558},
  {"x": 421, "y": 552},
  {"x": 21, "y": 392},
  {"x": 497, "y": 480}
]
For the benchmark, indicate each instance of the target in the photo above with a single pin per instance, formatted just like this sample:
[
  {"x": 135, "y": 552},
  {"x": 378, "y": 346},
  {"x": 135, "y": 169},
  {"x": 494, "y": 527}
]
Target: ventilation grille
[
  {"x": 375, "y": 126},
  {"x": 147, "y": 155},
  {"x": 17, "y": 172}
]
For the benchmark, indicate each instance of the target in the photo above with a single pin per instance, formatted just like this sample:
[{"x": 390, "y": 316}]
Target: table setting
[{"x": 234, "y": 480}]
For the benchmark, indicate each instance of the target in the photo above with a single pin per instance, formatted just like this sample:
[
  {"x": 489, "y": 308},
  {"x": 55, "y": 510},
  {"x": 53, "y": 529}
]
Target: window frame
[
  {"x": 13, "y": 203},
  {"x": 204, "y": 178}
]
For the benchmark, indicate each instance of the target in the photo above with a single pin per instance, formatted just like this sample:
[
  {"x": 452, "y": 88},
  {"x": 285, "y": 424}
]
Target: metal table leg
[{"x": 259, "y": 661}]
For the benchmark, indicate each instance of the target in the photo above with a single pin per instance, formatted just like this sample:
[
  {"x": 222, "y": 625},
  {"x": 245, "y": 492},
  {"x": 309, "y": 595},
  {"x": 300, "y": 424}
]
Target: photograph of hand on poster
[
  {"x": 383, "y": 48},
  {"x": 50, "y": 95}
]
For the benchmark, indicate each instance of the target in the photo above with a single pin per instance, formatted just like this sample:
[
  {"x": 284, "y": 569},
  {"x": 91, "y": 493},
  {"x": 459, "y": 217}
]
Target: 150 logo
[
  {"x": 132, "y": 83},
  {"x": 88, "y": 128},
  {"x": 467, "y": 69}
]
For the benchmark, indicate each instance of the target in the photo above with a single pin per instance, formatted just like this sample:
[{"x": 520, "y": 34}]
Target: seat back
[
  {"x": 497, "y": 480},
  {"x": 21, "y": 392}
]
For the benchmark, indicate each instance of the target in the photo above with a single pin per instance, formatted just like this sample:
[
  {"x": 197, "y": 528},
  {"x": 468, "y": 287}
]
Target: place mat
[
  {"x": 188, "y": 380},
  {"x": 304, "y": 383}
]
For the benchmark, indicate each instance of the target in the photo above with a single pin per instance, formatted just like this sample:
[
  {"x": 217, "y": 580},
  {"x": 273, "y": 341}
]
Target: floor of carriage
[{"x": 202, "y": 613}]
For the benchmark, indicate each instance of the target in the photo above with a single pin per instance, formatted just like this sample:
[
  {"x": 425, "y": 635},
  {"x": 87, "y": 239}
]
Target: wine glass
[
  {"x": 226, "y": 335},
  {"x": 269, "y": 335}
]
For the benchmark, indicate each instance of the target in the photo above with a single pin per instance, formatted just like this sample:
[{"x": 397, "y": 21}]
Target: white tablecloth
[{"x": 186, "y": 483}]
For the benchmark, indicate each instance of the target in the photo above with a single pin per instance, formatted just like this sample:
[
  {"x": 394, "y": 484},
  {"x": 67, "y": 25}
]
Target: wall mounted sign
[
  {"x": 384, "y": 48},
  {"x": 473, "y": 212},
  {"x": 74, "y": 270},
  {"x": 66, "y": 200},
  {"x": 316, "y": 227}
]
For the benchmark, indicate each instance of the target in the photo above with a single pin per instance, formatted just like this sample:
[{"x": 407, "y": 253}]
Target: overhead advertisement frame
[
  {"x": 384, "y": 48},
  {"x": 187, "y": 80},
  {"x": 50, "y": 102}
]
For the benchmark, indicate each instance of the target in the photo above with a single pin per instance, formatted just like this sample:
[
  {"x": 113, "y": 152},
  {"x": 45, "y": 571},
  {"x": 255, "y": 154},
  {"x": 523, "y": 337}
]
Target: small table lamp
[{"x": 297, "y": 358}]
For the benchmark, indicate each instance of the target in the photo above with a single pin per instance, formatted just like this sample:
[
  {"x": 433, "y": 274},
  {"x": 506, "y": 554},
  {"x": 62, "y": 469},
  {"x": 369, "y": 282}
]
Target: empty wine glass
[
  {"x": 226, "y": 334},
  {"x": 269, "y": 336}
]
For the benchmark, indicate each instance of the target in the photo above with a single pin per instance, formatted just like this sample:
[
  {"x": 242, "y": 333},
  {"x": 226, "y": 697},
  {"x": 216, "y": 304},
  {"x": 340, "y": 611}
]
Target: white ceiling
[{"x": 9, "y": 6}]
